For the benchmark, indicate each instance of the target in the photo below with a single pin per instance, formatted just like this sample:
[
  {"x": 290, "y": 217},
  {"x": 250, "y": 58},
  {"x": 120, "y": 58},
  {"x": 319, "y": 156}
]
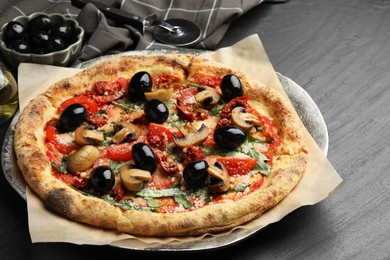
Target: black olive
[
  {"x": 143, "y": 157},
  {"x": 103, "y": 178},
  {"x": 140, "y": 83},
  {"x": 156, "y": 111},
  {"x": 56, "y": 44},
  {"x": 229, "y": 137},
  {"x": 231, "y": 87},
  {"x": 40, "y": 22},
  {"x": 72, "y": 117},
  {"x": 39, "y": 38},
  {"x": 14, "y": 30},
  {"x": 20, "y": 45},
  {"x": 195, "y": 173},
  {"x": 65, "y": 30}
]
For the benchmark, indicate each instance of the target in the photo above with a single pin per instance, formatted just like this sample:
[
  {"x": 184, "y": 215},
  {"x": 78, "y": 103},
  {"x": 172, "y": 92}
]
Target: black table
[{"x": 339, "y": 52}]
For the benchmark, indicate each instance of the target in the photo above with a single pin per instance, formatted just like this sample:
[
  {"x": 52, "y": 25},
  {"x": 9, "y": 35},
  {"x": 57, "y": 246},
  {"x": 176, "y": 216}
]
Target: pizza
[{"x": 160, "y": 145}]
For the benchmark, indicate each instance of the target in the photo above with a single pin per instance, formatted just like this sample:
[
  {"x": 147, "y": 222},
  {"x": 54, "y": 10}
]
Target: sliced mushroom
[
  {"x": 191, "y": 135},
  {"x": 87, "y": 134},
  {"x": 163, "y": 95},
  {"x": 83, "y": 158},
  {"x": 244, "y": 120},
  {"x": 133, "y": 179},
  {"x": 208, "y": 97},
  {"x": 126, "y": 132},
  {"x": 219, "y": 177}
]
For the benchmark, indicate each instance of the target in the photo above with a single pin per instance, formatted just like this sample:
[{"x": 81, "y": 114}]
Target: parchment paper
[{"x": 248, "y": 56}]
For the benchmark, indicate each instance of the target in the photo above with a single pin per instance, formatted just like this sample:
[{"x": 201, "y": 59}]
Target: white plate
[{"x": 302, "y": 102}]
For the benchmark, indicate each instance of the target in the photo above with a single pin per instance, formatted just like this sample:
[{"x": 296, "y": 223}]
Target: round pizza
[{"x": 160, "y": 145}]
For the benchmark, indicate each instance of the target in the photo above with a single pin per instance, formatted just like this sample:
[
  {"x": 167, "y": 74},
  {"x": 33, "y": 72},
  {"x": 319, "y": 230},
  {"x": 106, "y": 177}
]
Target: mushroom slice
[
  {"x": 219, "y": 178},
  {"x": 87, "y": 134},
  {"x": 244, "y": 120},
  {"x": 83, "y": 158},
  {"x": 163, "y": 95},
  {"x": 126, "y": 132},
  {"x": 208, "y": 97},
  {"x": 191, "y": 135},
  {"x": 132, "y": 178}
]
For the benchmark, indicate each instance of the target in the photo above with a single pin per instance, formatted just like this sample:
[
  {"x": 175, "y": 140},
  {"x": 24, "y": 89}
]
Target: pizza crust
[{"x": 288, "y": 165}]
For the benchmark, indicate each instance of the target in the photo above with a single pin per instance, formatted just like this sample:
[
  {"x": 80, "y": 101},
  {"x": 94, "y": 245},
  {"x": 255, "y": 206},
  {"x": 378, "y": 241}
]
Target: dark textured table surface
[{"x": 339, "y": 52}]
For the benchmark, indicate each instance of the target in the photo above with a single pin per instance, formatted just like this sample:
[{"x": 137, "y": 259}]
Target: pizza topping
[
  {"x": 87, "y": 134},
  {"x": 208, "y": 97},
  {"x": 140, "y": 83},
  {"x": 132, "y": 178},
  {"x": 187, "y": 106},
  {"x": 219, "y": 178},
  {"x": 229, "y": 137},
  {"x": 107, "y": 91},
  {"x": 144, "y": 157},
  {"x": 231, "y": 87},
  {"x": 238, "y": 165},
  {"x": 125, "y": 132},
  {"x": 192, "y": 153},
  {"x": 83, "y": 158},
  {"x": 163, "y": 95},
  {"x": 191, "y": 135},
  {"x": 86, "y": 101},
  {"x": 72, "y": 117},
  {"x": 119, "y": 153},
  {"x": 244, "y": 120},
  {"x": 156, "y": 111},
  {"x": 195, "y": 174},
  {"x": 103, "y": 179}
]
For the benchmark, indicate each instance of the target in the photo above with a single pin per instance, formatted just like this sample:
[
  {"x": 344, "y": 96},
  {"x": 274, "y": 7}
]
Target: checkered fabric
[{"x": 105, "y": 36}]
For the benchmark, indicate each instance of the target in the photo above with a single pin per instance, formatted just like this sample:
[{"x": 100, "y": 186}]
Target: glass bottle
[{"x": 8, "y": 94}]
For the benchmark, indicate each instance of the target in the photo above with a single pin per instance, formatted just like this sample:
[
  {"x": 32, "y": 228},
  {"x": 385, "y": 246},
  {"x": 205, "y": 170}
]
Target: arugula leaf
[
  {"x": 115, "y": 166},
  {"x": 182, "y": 200},
  {"x": 63, "y": 166},
  {"x": 160, "y": 193},
  {"x": 251, "y": 139},
  {"x": 127, "y": 106},
  {"x": 152, "y": 203},
  {"x": 238, "y": 188},
  {"x": 261, "y": 164}
]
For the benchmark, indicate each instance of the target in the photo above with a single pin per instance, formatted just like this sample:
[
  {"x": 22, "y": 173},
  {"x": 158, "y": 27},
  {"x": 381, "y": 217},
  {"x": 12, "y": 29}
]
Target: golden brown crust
[{"x": 288, "y": 165}]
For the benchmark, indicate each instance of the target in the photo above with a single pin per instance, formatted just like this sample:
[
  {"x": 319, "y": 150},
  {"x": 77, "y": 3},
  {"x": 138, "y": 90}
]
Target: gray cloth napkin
[{"x": 105, "y": 36}]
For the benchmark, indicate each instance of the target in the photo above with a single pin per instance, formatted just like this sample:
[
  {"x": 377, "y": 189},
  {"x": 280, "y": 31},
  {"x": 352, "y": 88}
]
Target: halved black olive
[
  {"x": 72, "y": 117},
  {"x": 229, "y": 137},
  {"x": 143, "y": 157},
  {"x": 103, "y": 179},
  {"x": 195, "y": 174},
  {"x": 140, "y": 83},
  {"x": 231, "y": 87},
  {"x": 156, "y": 111}
]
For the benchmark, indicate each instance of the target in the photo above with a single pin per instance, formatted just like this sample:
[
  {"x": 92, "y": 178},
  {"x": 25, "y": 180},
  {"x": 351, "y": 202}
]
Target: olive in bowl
[{"x": 51, "y": 39}]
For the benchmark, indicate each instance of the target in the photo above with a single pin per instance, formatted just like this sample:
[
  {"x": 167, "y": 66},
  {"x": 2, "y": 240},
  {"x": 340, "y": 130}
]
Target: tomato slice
[
  {"x": 235, "y": 165},
  {"x": 160, "y": 131},
  {"x": 119, "y": 152},
  {"x": 86, "y": 101},
  {"x": 51, "y": 137}
]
